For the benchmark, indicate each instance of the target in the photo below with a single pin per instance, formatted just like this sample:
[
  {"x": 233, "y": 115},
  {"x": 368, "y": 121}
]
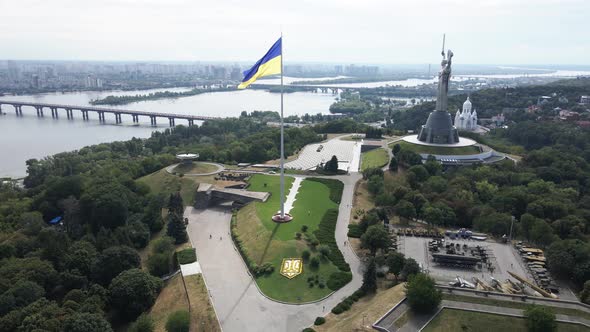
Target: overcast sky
[{"x": 339, "y": 31}]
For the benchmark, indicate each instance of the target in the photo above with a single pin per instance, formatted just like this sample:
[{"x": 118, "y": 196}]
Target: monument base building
[
  {"x": 439, "y": 129},
  {"x": 439, "y": 138}
]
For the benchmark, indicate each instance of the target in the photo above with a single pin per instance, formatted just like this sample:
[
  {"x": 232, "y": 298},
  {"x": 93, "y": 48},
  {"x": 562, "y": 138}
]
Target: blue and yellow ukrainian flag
[{"x": 270, "y": 64}]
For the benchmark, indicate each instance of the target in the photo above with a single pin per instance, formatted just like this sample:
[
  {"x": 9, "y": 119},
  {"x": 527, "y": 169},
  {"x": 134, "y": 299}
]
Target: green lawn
[
  {"x": 374, "y": 158},
  {"x": 513, "y": 304},
  {"x": 166, "y": 183},
  {"x": 459, "y": 320},
  {"x": 194, "y": 168},
  {"x": 265, "y": 241},
  {"x": 271, "y": 184},
  {"x": 436, "y": 149}
]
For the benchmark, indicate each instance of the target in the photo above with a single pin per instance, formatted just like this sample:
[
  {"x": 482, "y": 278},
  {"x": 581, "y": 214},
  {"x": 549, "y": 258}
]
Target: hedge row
[
  {"x": 319, "y": 321},
  {"x": 255, "y": 270},
  {"x": 336, "y": 187},
  {"x": 355, "y": 231},
  {"x": 347, "y": 302},
  {"x": 338, "y": 279},
  {"x": 326, "y": 235},
  {"x": 186, "y": 256}
]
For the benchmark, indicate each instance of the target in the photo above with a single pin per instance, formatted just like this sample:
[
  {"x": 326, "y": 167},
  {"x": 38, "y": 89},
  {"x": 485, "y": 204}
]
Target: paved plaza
[
  {"x": 347, "y": 152},
  {"x": 502, "y": 256}
]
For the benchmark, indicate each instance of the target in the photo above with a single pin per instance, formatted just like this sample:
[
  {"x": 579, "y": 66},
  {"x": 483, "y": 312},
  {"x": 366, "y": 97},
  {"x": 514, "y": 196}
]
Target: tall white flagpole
[{"x": 282, "y": 141}]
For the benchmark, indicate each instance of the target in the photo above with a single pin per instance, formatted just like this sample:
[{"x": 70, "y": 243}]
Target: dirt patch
[
  {"x": 362, "y": 200},
  {"x": 363, "y": 313},
  {"x": 171, "y": 298},
  {"x": 203, "y": 316}
]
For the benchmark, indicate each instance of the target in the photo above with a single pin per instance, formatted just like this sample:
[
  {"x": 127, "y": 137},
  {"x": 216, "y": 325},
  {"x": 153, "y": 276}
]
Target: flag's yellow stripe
[{"x": 271, "y": 67}]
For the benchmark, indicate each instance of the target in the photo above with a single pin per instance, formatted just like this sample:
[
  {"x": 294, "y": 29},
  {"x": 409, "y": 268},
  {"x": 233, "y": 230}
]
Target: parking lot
[{"x": 503, "y": 258}]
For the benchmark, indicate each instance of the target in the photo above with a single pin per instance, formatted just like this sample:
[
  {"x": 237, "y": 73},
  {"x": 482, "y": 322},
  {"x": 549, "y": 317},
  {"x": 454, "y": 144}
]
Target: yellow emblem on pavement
[{"x": 291, "y": 267}]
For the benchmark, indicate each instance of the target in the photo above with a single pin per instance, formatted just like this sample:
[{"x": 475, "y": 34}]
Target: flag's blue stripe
[{"x": 273, "y": 52}]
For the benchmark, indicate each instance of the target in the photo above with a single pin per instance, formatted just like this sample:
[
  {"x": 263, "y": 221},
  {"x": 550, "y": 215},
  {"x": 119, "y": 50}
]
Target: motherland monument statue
[{"x": 439, "y": 127}]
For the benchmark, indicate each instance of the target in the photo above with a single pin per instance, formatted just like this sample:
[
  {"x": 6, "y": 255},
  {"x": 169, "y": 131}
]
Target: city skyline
[{"x": 327, "y": 31}]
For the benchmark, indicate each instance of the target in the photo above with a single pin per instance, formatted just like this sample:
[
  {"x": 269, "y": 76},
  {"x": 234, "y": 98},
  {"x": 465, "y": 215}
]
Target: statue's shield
[{"x": 291, "y": 267}]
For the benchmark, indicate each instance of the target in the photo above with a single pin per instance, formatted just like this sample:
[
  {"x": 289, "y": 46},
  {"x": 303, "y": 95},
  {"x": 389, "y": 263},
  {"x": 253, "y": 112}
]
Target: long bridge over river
[{"x": 101, "y": 111}]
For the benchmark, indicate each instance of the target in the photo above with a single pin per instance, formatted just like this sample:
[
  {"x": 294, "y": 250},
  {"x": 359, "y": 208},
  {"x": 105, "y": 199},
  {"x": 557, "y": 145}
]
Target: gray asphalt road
[{"x": 238, "y": 303}]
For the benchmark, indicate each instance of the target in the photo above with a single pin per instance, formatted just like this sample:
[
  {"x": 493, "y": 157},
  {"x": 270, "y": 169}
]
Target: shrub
[
  {"x": 308, "y": 329},
  {"x": 298, "y": 236},
  {"x": 267, "y": 268},
  {"x": 325, "y": 235},
  {"x": 305, "y": 255},
  {"x": 144, "y": 323},
  {"x": 178, "y": 321},
  {"x": 339, "y": 279},
  {"x": 319, "y": 321},
  {"x": 540, "y": 319},
  {"x": 324, "y": 250},
  {"x": 337, "y": 310},
  {"x": 304, "y": 228},
  {"x": 355, "y": 231},
  {"x": 159, "y": 264},
  {"x": 347, "y": 302},
  {"x": 314, "y": 262},
  {"x": 164, "y": 244},
  {"x": 186, "y": 256}
]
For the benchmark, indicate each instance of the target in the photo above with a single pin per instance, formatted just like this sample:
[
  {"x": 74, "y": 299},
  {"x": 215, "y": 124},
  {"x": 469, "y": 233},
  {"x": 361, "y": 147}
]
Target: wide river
[{"x": 28, "y": 136}]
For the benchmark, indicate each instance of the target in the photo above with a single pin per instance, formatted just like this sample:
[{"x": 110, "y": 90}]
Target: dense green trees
[
  {"x": 376, "y": 237},
  {"x": 540, "y": 319},
  {"x": 395, "y": 262},
  {"x": 411, "y": 267},
  {"x": 133, "y": 292},
  {"x": 113, "y": 261},
  {"x": 176, "y": 227},
  {"x": 422, "y": 295},
  {"x": 370, "y": 277},
  {"x": 86, "y": 322},
  {"x": 106, "y": 215},
  {"x": 159, "y": 261}
]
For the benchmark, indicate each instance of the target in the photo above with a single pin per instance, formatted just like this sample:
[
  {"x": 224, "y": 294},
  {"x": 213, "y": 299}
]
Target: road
[{"x": 237, "y": 301}]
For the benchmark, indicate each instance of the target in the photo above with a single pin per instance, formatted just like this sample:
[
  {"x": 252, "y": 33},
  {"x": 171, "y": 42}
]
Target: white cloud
[{"x": 376, "y": 31}]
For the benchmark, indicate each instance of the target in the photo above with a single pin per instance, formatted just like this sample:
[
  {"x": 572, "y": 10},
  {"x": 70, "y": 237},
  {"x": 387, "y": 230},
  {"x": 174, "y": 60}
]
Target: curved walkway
[
  {"x": 220, "y": 168},
  {"x": 236, "y": 298}
]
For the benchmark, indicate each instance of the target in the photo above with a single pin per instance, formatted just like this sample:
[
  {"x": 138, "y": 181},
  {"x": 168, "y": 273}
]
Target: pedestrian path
[
  {"x": 190, "y": 269},
  {"x": 292, "y": 194}
]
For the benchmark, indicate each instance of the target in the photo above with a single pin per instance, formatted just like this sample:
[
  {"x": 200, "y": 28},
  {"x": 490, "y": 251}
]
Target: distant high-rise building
[
  {"x": 93, "y": 82},
  {"x": 236, "y": 74},
  {"x": 219, "y": 72},
  {"x": 13, "y": 71},
  {"x": 35, "y": 81},
  {"x": 354, "y": 70}
]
